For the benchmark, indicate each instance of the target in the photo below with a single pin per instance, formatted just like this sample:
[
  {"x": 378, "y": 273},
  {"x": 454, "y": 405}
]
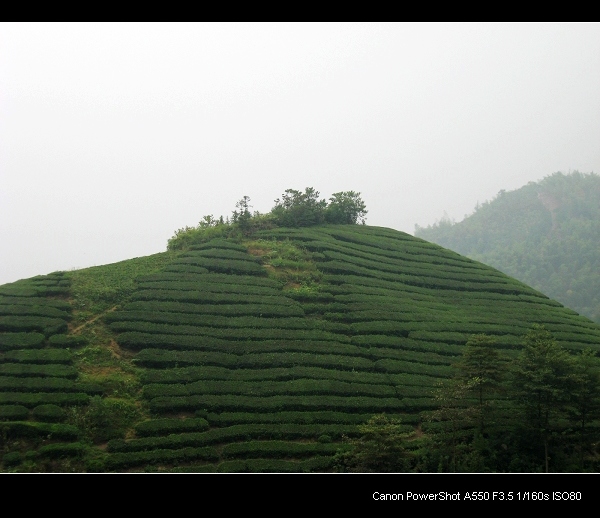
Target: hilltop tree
[
  {"x": 243, "y": 217},
  {"x": 299, "y": 209},
  {"x": 346, "y": 208}
]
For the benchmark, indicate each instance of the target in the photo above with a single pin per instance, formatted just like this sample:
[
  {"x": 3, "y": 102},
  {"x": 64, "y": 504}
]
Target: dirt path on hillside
[{"x": 78, "y": 329}]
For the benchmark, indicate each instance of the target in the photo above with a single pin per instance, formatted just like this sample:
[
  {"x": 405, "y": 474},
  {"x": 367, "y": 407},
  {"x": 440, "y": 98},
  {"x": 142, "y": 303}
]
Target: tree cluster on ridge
[{"x": 294, "y": 209}]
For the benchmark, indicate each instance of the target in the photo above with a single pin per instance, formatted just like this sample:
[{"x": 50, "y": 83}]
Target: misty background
[{"x": 112, "y": 136}]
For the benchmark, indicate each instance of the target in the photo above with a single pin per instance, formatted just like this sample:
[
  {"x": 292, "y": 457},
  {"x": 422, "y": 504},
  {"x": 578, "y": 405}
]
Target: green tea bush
[
  {"x": 211, "y": 287},
  {"x": 50, "y": 370},
  {"x": 32, "y": 429},
  {"x": 34, "y": 310},
  {"x": 46, "y": 325},
  {"x": 230, "y": 266},
  {"x": 62, "y": 450},
  {"x": 9, "y": 341},
  {"x": 184, "y": 269},
  {"x": 36, "y": 301},
  {"x": 268, "y": 449},
  {"x": 17, "y": 291},
  {"x": 242, "y": 403},
  {"x": 156, "y": 427},
  {"x": 205, "y": 297},
  {"x": 220, "y": 253},
  {"x": 19, "y": 384},
  {"x": 239, "y": 432},
  {"x": 263, "y": 310},
  {"x": 42, "y": 398},
  {"x": 119, "y": 461},
  {"x": 40, "y": 356},
  {"x": 49, "y": 413},
  {"x": 222, "y": 244},
  {"x": 228, "y": 333},
  {"x": 13, "y": 413},
  {"x": 11, "y": 459},
  {"x": 288, "y": 418},
  {"x": 269, "y": 388}
]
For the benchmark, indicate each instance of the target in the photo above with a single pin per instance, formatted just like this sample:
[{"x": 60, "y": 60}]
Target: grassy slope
[{"x": 260, "y": 356}]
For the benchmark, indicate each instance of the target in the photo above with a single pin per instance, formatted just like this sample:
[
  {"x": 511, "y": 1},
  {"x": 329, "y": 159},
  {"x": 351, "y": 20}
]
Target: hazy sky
[{"x": 112, "y": 136}]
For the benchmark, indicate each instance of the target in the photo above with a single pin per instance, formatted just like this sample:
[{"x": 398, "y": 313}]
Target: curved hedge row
[
  {"x": 158, "y": 358},
  {"x": 269, "y": 388},
  {"x": 138, "y": 341},
  {"x": 243, "y": 403},
  {"x": 262, "y": 310},
  {"x": 248, "y": 322},
  {"x": 232, "y": 433},
  {"x": 31, "y": 400},
  {"x": 277, "y": 449},
  {"x": 203, "y": 297},
  {"x": 9, "y": 341},
  {"x": 33, "y": 310},
  {"x": 41, "y": 356},
  {"x": 230, "y": 266},
  {"x": 15, "y": 384},
  {"x": 228, "y": 333},
  {"x": 50, "y": 370},
  {"x": 119, "y": 461},
  {"x": 208, "y": 372},
  {"x": 206, "y": 286},
  {"x": 155, "y": 427},
  {"x": 47, "y": 325}
]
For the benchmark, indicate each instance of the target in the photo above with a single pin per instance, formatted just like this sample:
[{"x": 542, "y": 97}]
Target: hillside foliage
[
  {"x": 294, "y": 209},
  {"x": 295, "y": 349},
  {"x": 546, "y": 234}
]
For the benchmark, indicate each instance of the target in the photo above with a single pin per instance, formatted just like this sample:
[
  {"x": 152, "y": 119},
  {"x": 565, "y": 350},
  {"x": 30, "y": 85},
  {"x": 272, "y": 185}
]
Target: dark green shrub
[
  {"x": 40, "y": 356},
  {"x": 46, "y": 325},
  {"x": 49, "y": 413},
  {"x": 11, "y": 459},
  {"x": 31, "y": 429},
  {"x": 21, "y": 384},
  {"x": 10, "y": 341},
  {"x": 42, "y": 398},
  {"x": 104, "y": 418},
  {"x": 167, "y": 426},
  {"x": 62, "y": 450},
  {"x": 33, "y": 310},
  {"x": 117, "y": 461},
  {"x": 13, "y": 413},
  {"x": 29, "y": 370}
]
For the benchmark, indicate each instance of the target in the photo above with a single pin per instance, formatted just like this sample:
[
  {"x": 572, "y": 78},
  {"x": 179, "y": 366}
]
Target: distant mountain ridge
[{"x": 546, "y": 234}]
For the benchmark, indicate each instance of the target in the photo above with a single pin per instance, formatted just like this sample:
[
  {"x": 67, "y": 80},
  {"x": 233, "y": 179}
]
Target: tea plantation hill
[{"x": 247, "y": 355}]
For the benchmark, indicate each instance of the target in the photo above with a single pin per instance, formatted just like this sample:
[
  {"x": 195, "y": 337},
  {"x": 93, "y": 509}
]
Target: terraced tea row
[
  {"x": 37, "y": 381},
  {"x": 262, "y": 354}
]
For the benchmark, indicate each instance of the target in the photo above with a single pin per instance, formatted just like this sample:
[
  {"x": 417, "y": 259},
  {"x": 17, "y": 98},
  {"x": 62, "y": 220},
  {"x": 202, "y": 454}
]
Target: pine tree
[{"x": 544, "y": 377}]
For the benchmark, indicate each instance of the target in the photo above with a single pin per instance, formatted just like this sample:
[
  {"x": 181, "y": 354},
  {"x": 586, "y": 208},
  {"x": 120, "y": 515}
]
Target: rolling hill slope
[{"x": 259, "y": 354}]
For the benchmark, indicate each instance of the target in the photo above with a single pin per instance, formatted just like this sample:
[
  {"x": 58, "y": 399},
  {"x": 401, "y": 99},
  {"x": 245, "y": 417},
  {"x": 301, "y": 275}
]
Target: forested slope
[{"x": 546, "y": 234}]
